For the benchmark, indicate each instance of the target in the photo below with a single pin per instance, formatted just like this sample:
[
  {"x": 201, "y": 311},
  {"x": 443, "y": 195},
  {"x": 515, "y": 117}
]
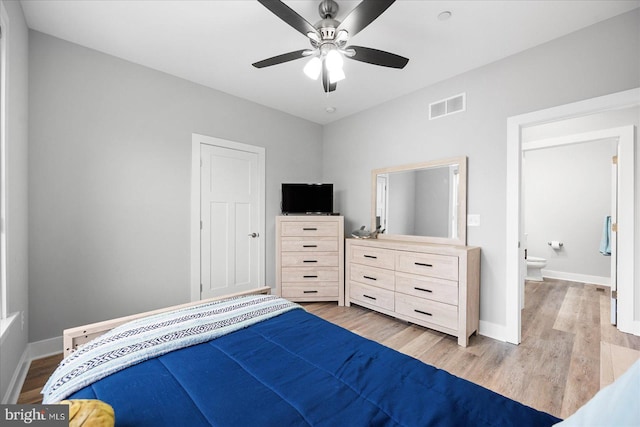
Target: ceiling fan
[{"x": 329, "y": 38}]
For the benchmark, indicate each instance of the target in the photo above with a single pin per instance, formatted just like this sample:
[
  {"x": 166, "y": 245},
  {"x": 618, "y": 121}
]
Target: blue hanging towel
[{"x": 605, "y": 242}]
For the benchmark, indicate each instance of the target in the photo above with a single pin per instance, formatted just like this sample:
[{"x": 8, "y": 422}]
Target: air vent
[{"x": 448, "y": 106}]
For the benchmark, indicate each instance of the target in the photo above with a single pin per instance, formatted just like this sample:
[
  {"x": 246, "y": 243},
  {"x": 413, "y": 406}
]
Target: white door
[
  {"x": 626, "y": 260},
  {"x": 230, "y": 202}
]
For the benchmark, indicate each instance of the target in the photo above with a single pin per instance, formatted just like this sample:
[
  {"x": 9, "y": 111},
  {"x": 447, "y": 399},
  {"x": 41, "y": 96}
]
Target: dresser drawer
[
  {"x": 309, "y": 244},
  {"x": 310, "y": 274},
  {"x": 427, "y": 287},
  {"x": 443, "y": 266},
  {"x": 310, "y": 228},
  {"x": 319, "y": 289},
  {"x": 371, "y": 295},
  {"x": 372, "y": 276},
  {"x": 310, "y": 259},
  {"x": 427, "y": 311},
  {"x": 375, "y": 257}
]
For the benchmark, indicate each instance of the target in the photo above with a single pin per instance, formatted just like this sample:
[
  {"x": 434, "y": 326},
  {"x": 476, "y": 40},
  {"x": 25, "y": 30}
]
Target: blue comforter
[{"x": 295, "y": 370}]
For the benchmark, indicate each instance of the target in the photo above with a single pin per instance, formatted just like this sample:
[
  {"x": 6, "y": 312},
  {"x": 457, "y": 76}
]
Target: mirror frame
[{"x": 462, "y": 200}]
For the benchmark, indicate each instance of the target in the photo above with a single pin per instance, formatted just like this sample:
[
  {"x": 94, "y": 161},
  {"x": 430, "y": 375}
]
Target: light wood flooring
[{"x": 568, "y": 348}]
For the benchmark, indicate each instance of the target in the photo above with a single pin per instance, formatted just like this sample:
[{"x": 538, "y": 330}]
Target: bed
[{"x": 278, "y": 365}]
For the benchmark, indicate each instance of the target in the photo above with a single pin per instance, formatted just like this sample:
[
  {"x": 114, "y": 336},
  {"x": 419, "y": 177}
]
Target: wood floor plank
[
  {"x": 420, "y": 346},
  {"x": 585, "y": 383},
  {"x": 606, "y": 364},
  {"x": 39, "y": 372},
  {"x": 404, "y": 339},
  {"x": 622, "y": 358}
]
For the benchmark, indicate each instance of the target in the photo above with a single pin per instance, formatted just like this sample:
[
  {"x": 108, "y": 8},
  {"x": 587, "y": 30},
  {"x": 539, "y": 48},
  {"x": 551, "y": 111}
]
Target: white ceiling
[{"x": 214, "y": 42}]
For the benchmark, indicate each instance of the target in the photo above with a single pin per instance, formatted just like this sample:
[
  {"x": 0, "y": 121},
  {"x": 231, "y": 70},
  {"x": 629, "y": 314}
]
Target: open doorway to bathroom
[
  {"x": 570, "y": 196},
  {"x": 593, "y": 114},
  {"x": 568, "y": 199}
]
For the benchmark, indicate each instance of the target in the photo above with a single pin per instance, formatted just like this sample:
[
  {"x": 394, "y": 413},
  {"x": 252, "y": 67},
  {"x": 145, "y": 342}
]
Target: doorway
[
  {"x": 227, "y": 217},
  {"x": 626, "y": 208},
  {"x": 568, "y": 195}
]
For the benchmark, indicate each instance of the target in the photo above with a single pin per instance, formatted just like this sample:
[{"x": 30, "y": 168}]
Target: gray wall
[
  {"x": 567, "y": 194},
  {"x": 569, "y": 69},
  {"x": 109, "y": 180},
  {"x": 15, "y": 343}
]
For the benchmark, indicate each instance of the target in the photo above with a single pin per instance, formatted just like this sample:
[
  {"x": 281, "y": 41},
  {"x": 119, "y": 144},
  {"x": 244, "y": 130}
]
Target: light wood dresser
[
  {"x": 310, "y": 257},
  {"x": 432, "y": 285}
]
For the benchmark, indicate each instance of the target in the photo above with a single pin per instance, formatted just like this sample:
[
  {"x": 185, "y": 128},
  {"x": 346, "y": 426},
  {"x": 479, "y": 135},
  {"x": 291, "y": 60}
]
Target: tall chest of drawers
[
  {"x": 436, "y": 286},
  {"x": 310, "y": 258}
]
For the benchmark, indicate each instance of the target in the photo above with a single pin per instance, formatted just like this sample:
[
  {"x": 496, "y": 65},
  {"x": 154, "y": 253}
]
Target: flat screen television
[{"x": 307, "y": 199}]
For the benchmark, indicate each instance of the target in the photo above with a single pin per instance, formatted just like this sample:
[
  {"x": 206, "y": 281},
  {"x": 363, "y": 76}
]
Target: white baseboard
[
  {"x": 15, "y": 385},
  {"x": 44, "y": 348},
  {"x": 575, "y": 277},
  {"x": 492, "y": 330},
  {"x": 34, "y": 350}
]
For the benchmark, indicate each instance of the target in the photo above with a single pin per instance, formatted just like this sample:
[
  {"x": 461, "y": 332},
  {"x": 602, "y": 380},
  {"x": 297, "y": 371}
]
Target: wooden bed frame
[{"x": 74, "y": 337}]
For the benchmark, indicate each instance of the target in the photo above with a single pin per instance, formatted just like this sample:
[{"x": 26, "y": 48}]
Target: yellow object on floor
[{"x": 90, "y": 413}]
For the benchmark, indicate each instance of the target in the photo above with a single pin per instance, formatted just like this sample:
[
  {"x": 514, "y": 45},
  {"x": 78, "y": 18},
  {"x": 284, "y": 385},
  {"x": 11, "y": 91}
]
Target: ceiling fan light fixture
[
  {"x": 341, "y": 37},
  {"x": 336, "y": 75},
  {"x": 313, "y": 68},
  {"x": 334, "y": 60},
  {"x": 314, "y": 36}
]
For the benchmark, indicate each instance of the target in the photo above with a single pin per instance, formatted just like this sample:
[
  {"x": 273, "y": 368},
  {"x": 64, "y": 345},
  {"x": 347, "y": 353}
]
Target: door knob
[{"x": 253, "y": 235}]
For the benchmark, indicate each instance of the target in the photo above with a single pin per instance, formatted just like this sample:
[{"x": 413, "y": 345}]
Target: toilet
[{"x": 534, "y": 268}]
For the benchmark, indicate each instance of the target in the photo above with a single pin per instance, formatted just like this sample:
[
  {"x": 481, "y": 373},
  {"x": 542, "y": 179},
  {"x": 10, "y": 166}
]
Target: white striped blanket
[{"x": 156, "y": 335}]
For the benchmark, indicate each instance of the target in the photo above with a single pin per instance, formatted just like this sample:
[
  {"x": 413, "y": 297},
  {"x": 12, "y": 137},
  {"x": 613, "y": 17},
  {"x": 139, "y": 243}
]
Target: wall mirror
[{"x": 425, "y": 202}]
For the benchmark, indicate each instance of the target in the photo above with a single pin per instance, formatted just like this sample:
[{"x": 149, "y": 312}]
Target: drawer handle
[
  {"x": 422, "y": 264},
  {"x": 309, "y": 292},
  {"x": 309, "y": 246},
  {"x": 423, "y": 290},
  {"x": 423, "y": 312},
  {"x": 310, "y": 260},
  {"x": 367, "y": 296},
  {"x": 371, "y": 256},
  {"x": 310, "y": 229},
  {"x": 310, "y": 277}
]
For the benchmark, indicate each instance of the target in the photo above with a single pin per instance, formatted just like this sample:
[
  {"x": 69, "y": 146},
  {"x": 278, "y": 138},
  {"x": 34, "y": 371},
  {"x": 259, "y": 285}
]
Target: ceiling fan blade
[
  {"x": 326, "y": 84},
  {"x": 285, "y": 57},
  {"x": 377, "y": 57},
  {"x": 364, "y": 14},
  {"x": 289, "y": 16}
]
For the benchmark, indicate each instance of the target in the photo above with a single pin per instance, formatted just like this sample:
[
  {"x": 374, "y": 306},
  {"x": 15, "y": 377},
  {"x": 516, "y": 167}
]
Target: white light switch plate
[{"x": 473, "y": 220}]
